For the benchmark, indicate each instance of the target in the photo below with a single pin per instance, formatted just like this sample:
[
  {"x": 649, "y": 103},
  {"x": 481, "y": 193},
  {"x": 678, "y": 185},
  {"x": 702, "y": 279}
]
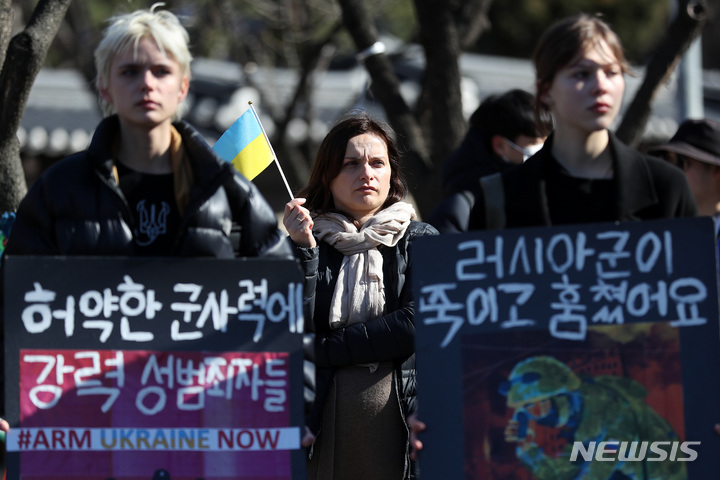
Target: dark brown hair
[
  {"x": 565, "y": 41},
  {"x": 331, "y": 155}
]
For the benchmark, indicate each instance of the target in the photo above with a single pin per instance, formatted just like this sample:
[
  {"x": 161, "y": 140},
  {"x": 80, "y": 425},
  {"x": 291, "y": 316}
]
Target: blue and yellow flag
[{"x": 245, "y": 145}]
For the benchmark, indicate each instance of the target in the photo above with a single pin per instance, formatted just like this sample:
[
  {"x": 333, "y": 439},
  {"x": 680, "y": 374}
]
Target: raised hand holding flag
[{"x": 247, "y": 147}]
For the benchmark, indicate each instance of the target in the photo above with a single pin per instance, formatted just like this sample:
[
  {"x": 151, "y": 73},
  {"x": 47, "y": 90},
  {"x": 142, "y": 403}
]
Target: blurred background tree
[
  {"x": 516, "y": 26},
  {"x": 261, "y": 30},
  {"x": 312, "y": 36}
]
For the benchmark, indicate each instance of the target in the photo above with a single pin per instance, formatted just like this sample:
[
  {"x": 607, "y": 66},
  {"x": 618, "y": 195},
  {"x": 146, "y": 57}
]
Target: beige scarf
[{"x": 359, "y": 294}]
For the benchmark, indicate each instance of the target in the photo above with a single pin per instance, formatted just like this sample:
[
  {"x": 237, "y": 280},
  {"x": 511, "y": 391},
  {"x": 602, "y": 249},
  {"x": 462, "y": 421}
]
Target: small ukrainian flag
[{"x": 245, "y": 145}]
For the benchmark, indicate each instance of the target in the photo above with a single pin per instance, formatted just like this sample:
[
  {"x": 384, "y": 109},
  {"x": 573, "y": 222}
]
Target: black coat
[
  {"x": 645, "y": 188},
  {"x": 471, "y": 160},
  {"x": 77, "y": 207},
  {"x": 452, "y": 213},
  {"x": 389, "y": 337},
  {"x": 461, "y": 171}
]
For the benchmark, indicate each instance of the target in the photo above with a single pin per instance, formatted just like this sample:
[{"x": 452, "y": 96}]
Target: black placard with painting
[{"x": 553, "y": 352}]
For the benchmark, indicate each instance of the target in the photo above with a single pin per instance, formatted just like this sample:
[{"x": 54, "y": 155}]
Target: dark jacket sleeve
[
  {"x": 259, "y": 232},
  {"x": 383, "y": 338},
  {"x": 308, "y": 259},
  {"x": 31, "y": 231},
  {"x": 476, "y": 217},
  {"x": 452, "y": 214}
]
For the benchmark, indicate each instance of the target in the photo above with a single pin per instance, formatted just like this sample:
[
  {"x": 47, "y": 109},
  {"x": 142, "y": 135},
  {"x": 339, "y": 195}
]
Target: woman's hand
[
  {"x": 416, "y": 426},
  {"x": 298, "y": 223},
  {"x": 4, "y": 428},
  {"x": 307, "y": 439}
]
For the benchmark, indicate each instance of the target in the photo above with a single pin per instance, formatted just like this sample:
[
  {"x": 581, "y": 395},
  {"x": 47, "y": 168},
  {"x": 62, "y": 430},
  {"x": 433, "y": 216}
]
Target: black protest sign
[
  {"x": 550, "y": 352},
  {"x": 145, "y": 367}
]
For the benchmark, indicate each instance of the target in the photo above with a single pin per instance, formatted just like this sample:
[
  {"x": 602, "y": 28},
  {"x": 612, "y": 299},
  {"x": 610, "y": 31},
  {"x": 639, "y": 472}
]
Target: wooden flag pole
[{"x": 282, "y": 174}]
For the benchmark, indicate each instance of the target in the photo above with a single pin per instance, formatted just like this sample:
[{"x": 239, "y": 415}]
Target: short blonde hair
[{"x": 126, "y": 31}]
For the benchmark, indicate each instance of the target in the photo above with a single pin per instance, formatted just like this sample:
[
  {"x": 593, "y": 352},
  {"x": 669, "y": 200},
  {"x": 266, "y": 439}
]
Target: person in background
[
  {"x": 695, "y": 148},
  {"x": 503, "y": 133},
  {"x": 583, "y": 173},
  {"x": 353, "y": 235},
  {"x": 148, "y": 184}
]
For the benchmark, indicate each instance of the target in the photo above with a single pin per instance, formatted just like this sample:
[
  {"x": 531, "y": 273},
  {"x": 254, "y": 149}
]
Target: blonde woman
[{"x": 148, "y": 184}]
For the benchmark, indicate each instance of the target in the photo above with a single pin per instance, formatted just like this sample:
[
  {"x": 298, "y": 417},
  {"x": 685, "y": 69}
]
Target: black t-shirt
[
  {"x": 151, "y": 198},
  {"x": 579, "y": 200}
]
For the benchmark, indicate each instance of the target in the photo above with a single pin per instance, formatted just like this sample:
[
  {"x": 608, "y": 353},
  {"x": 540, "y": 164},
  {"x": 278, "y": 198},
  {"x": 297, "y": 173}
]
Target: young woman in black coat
[{"x": 583, "y": 173}]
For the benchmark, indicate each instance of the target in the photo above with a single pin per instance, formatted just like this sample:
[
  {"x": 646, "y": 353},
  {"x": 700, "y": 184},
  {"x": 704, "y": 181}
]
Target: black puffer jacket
[
  {"x": 390, "y": 337},
  {"x": 77, "y": 208}
]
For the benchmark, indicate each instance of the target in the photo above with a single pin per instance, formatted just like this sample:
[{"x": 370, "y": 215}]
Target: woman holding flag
[
  {"x": 353, "y": 236},
  {"x": 148, "y": 184}
]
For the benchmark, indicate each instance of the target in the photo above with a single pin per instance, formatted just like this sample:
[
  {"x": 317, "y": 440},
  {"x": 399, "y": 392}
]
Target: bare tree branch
[
  {"x": 439, "y": 37},
  {"x": 81, "y": 34},
  {"x": 25, "y": 56},
  {"x": 680, "y": 35},
  {"x": 472, "y": 20},
  {"x": 6, "y": 25},
  {"x": 386, "y": 88},
  {"x": 311, "y": 59}
]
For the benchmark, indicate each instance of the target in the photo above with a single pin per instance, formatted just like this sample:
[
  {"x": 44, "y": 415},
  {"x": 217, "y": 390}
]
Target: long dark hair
[{"x": 331, "y": 154}]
